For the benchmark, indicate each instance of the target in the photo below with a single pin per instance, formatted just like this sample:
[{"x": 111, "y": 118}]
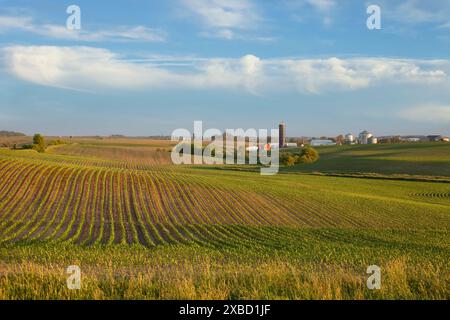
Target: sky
[{"x": 145, "y": 68}]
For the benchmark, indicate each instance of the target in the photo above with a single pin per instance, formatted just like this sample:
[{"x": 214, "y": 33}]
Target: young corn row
[
  {"x": 20, "y": 202},
  {"x": 64, "y": 195},
  {"x": 88, "y": 201},
  {"x": 26, "y": 224}
]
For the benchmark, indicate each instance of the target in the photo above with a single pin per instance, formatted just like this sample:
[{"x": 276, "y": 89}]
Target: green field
[
  {"x": 431, "y": 159},
  {"x": 142, "y": 228}
]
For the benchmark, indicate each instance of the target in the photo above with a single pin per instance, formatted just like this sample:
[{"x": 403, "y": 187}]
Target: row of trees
[
  {"x": 4, "y": 133},
  {"x": 306, "y": 155},
  {"x": 39, "y": 143}
]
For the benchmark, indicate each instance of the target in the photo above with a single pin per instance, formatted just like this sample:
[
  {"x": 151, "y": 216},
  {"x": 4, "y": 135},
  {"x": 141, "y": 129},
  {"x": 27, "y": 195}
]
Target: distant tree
[
  {"x": 38, "y": 143},
  {"x": 57, "y": 142},
  {"x": 37, "y": 138},
  {"x": 340, "y": 139},
  {"x": 287, "y": 159},
  {"x": 308, "y": 155}
]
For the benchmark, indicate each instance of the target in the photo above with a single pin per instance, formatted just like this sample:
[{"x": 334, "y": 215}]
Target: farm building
[
  {"x": 322, "y": 142},
  {"x": 282, "y": 135},
  {"x": 434, "y": 138},
  {"x": 349, "y": 138},
  {"x": 412, "y": 139},
  {"x": 372, "y": 140},
  {"x": 291, "y": 145},
  {"x": 364, "y": 137}
]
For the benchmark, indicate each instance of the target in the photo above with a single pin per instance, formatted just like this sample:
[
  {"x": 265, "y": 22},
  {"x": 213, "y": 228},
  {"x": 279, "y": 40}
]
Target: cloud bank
[{"x": 88, "y": 68}]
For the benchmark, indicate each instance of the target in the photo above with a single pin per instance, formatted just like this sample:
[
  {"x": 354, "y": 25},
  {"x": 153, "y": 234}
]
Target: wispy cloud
[
  {"x": 416, "y": 11},
  {"x": 431, "y": 114},
  {"x": 236, "y": 14},
  {"x": 224, "y": 19},
  {"x": 12, "y": 22},
  {"x": 87, "y": 68},
  {"x": 120, "y": 33},
  {"x": 445, "y": 25},
  {"x": 324, "y": 9},
  {"x": 323, "y": 5},
  {"x": 226, "y": 34}
]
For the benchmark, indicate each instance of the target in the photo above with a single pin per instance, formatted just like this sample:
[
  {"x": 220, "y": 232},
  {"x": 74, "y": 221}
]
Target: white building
[
  {"x": 349, "y": 138},
  {"x": 364, "y": 137},
  {"x": 321, "y": 142},
  {"x": 291, "y": 145},
  {"x": 373, "y": 140}
]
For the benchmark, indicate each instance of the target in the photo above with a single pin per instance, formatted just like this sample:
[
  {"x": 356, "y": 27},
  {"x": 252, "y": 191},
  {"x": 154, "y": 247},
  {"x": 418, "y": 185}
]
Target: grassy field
[
  {"x": 142, "y": 228},
  {"x": 431, "y": 159}
]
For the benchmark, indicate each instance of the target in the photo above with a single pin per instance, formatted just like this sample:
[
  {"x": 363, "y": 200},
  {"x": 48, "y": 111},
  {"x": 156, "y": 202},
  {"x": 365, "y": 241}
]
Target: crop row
[
  {"x": 53, "y": 197},
  {"x": 87, "y": 205}
]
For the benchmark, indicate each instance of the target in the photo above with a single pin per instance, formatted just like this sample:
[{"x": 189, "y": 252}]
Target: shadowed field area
[{"x": 431, "y": 159}]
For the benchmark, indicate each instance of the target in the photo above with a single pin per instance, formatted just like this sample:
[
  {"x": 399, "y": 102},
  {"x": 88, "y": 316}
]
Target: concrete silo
[{"x": 282, "y": 135}]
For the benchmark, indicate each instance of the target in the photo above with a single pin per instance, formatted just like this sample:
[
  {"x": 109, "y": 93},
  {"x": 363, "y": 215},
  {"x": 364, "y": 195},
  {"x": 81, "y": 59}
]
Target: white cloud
[
  {"x": 236, "y": 14},
  {"x": 322, "y": 5},
  {"x": 445, "y": 25},
  {"x": 226, "y": 34},
  {"x": 324, "y": 9},
  {"x": 319, "y": 75},
  {"x": 87, "y": 68},
  {"x": 121, "y": 33},
  {"x": 432, "y": 114},
  {"x": 223, "y": 18},
  {"x": 7, "y": 23},
  {"x": 416, "y": 11}
]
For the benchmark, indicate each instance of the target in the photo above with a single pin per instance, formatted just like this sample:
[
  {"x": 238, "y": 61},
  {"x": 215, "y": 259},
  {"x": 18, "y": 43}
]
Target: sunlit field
[{"x": 142, "y": 228}]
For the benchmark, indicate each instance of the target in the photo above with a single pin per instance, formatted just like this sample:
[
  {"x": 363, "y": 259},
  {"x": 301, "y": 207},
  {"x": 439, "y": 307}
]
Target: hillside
[{"x": 430, "y": 159}]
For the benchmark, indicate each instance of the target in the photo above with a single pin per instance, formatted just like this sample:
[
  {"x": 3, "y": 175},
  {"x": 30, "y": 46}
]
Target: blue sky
[{"x": 148, "y": 67}]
